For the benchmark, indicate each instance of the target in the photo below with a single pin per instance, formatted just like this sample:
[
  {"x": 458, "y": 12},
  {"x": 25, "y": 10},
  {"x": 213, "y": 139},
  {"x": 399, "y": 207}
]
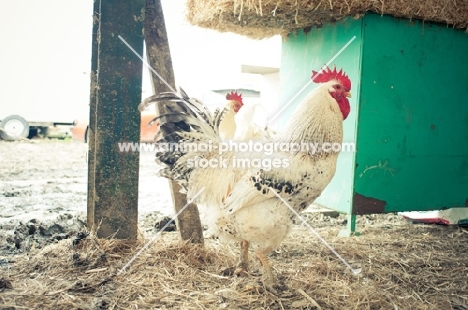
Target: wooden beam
[
  {"x": 115, "y": 94},
  {"x": 159, "y": 58},
  {"x": 92, "y": 114}
]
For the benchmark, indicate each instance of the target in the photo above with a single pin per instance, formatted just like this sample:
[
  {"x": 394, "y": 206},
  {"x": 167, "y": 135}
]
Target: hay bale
[
  {"x": 264, "y": 18},
  {"x": 403, "y": 267}
]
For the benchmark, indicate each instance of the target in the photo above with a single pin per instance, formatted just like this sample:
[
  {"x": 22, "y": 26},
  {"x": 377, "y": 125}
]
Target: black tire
[{"x": 14, "y": 127}]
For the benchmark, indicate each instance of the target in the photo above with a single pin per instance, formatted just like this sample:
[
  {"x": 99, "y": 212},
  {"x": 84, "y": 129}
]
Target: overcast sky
[{"x": 45, "y": 52}]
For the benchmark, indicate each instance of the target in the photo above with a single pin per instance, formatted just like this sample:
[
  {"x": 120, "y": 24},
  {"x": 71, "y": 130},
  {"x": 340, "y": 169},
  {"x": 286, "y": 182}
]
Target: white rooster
[
  {"x": 227, "y": 127},
  {"x": 238, "y": 121},
  {"x": 236, "y": 188}
]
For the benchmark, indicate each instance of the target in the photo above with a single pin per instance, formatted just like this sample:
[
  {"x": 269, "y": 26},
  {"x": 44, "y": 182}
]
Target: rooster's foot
[
  {"x": 237, "y": 271},
  {"x": 273, "y": 286},
  {"x": 241, "y": 272}
]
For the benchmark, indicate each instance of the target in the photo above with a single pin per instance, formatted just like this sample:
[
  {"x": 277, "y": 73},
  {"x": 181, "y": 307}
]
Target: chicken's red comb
[
  {"x": 233, "y": 95},
  {"x": 326, "y": 75}
]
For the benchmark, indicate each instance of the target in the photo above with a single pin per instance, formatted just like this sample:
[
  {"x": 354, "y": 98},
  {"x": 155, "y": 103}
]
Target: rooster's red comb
[
  {"x": 233, "y": 95},
  {"x": 326, "y": 75}
]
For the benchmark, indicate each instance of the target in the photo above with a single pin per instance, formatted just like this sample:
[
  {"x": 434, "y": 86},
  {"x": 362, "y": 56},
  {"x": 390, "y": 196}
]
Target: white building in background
[{"x": 206, "y": 61}]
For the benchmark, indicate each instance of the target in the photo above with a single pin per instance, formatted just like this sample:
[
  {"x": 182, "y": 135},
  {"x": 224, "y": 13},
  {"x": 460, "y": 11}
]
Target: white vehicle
[{"x": 18, "y": 126}]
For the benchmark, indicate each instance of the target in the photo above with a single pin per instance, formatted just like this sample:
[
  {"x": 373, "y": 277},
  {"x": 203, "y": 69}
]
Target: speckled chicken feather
[{"x": 182, "y": 120}]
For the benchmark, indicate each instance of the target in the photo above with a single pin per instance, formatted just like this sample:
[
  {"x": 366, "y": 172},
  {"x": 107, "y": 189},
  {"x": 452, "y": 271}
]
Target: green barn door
[{"x": 413, "y": 117}]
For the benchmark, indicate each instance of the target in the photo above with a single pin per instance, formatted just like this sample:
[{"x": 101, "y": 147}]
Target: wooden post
[
  {"x": 159, "y": 58},
  {"x": 115, "y": 94},
  {"x": 92, "y": 115}
]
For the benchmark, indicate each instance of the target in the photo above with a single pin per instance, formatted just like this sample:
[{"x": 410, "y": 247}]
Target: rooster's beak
[{"x": 348, "y": 94}]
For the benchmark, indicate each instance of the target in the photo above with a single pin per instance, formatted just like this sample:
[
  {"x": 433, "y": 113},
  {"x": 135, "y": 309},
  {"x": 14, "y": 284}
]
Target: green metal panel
[
  {"x": 302, "y": 53},
  {"x": 409, "y": 112},
  {"x": 413, "y": 117}
]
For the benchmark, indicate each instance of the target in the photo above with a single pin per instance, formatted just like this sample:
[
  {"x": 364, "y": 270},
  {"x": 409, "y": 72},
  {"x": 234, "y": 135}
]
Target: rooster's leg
[
  {"x": 243, "y": 266},
  {"x": 244, "y": 259},
  {"x": 244, "y": 254},
  {"x": 269, "y": 280}
]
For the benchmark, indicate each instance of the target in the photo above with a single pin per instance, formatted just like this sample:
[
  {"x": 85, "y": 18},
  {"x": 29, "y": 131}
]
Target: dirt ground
[
  {"x": 44, "y": 265},
  {"x": 43, "y": 193}
]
